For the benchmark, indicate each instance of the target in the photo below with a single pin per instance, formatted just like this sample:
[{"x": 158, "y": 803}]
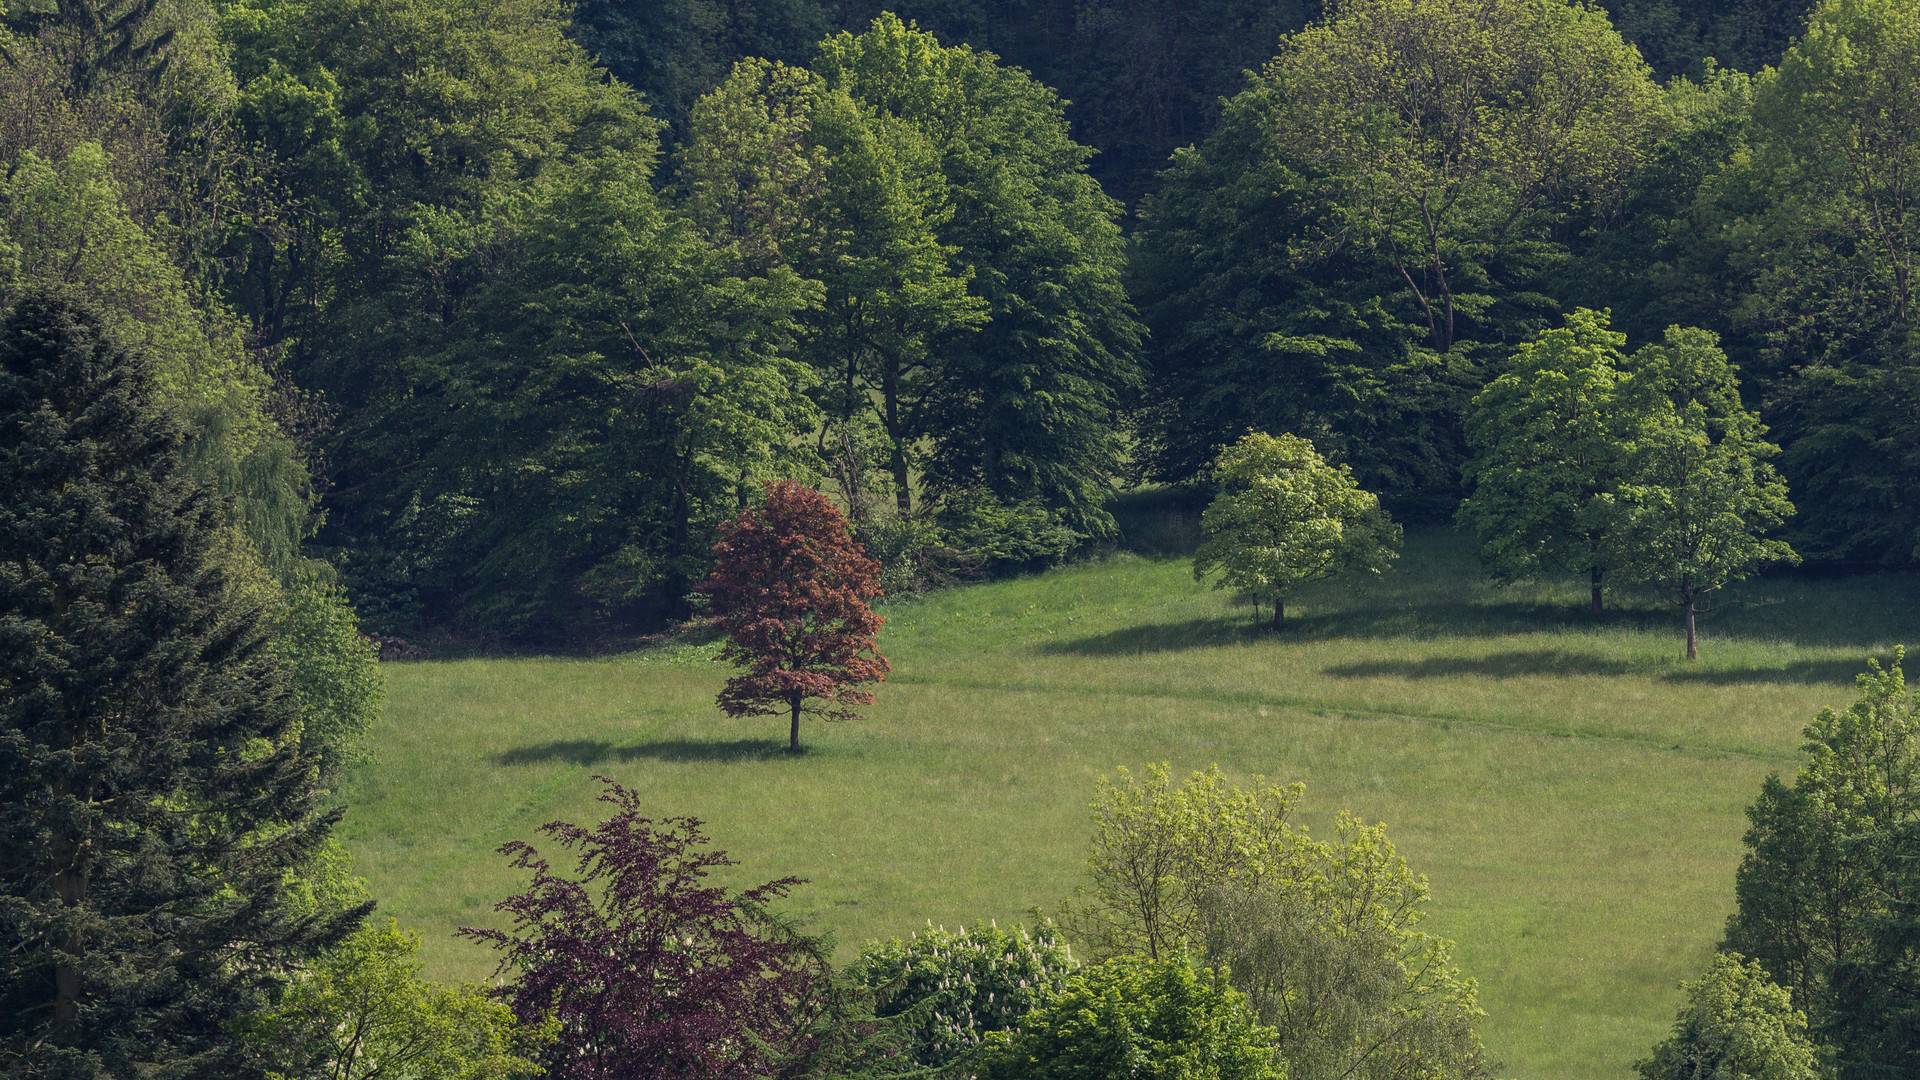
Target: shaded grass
[{"x": 1570, "y": 786}]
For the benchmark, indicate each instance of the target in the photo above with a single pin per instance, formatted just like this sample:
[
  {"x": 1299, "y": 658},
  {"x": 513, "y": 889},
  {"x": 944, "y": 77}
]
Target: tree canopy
[{"x": 1284, "y": 517}]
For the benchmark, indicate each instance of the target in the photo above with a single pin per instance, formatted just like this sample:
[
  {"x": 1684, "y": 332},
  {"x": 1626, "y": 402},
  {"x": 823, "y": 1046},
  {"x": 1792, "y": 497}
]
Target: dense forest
[{"x": 498, "y": 309}]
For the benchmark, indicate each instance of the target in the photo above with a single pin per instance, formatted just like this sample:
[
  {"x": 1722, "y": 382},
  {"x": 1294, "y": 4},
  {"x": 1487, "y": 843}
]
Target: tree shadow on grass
[
  {"x": 1805, "y": 672},
  {"x": 1503, "y": 665},
  {"x": 1445, "y": 618},
  {"x": 1509, "y": 665},
  {"x": 599, "y": 752}
]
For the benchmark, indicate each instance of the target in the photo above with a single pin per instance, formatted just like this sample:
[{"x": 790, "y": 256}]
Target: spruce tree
[{"x": 153, "y": 799}]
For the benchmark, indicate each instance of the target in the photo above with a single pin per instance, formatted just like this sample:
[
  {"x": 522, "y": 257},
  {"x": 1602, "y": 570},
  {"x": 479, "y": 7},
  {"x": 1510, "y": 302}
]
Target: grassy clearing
[{"x": 1571, "y": 788}]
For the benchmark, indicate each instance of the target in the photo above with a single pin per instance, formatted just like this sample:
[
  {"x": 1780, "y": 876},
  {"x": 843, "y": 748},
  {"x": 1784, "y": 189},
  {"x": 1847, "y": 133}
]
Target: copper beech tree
[{"x": 790, "y": 589}]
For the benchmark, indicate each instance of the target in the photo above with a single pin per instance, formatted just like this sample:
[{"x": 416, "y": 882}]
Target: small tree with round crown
[{"x": 790, "y": 589}]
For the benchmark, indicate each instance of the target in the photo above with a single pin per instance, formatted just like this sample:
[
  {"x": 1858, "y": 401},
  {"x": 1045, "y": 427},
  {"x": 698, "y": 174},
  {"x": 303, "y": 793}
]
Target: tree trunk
[
  {"x": 1279, "y": 612},
  {"x": 1693, "y": 639},
  {"x": 793, "y": 736},
  {"x": 890, "y": 390},
  {"x": 1596, "y": 590}
]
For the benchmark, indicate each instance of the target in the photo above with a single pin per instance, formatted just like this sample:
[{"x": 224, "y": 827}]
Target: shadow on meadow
[
  {"x": 1438, "y": 618},
  {"x": 1521, "y": 663},
  {"x": 599, "y": 752}
]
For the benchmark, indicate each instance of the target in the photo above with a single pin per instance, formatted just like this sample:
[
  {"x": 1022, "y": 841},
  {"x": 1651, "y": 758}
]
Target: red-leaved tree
[
  {"x": 790, "y": 589},
  {"x": 649, "y": 972}
]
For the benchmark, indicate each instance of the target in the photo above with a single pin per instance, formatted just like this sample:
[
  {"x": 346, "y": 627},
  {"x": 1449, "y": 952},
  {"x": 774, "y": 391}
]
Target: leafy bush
[
  {"x": 963, "y": 986},
  {"x": 333, "y": 673},
  {"x": 1004, "y": 536},
  {"x": 1736, "y": 1025},
  {"x": 1321, "y": 937},
  {"x": 362, "y": 1011},
  {"x": 1142, "y": 1019}
]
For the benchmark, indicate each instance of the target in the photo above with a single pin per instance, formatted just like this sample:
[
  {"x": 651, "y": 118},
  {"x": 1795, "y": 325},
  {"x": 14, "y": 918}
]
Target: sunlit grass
[{"x": 1572, "y": 789}]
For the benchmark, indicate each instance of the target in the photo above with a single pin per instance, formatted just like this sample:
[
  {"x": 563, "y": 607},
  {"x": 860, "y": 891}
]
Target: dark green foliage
[
  {"x": 1354, "y": 248},
  {"x": 1874, "y": 1023},
  {"x": 151, "y": 804},
  {"x": 958, "y": 987},
  {"x": 1257, "y": 327},
  {"x": 1134, "y": 1017},
  {"x": 1676, "y": 35},
  {"x": 674, "y": 51}
]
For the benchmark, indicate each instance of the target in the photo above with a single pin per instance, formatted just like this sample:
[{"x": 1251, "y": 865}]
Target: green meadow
[{"x": 1571, "y": 788}]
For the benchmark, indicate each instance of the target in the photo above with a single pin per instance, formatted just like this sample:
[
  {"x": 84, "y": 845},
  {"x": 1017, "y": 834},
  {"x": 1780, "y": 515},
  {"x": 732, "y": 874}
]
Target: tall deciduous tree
[
  {"x": 1821, "y": 853},
  {"x": 651, "y": 972},
  {"x": 1285, "y": 517},
  {"x": 152, "y": 798},
  {"x": 1026, "y": 406},
  {"x": 1826, "y": 216},
  {"x": 790, "y": 589},
  {"x": 1452, "y": 123},
  {"x": 1698, "y": 494},
  {"x": 1548, "y": 447}
]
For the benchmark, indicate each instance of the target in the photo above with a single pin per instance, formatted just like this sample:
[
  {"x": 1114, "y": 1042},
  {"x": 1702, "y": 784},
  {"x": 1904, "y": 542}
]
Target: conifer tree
[{"x": 153, "y": 797}]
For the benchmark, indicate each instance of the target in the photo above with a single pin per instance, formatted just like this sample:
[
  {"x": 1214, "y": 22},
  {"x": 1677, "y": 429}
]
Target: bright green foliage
[
  {"x": 1820, "y": 855},
  {"x": 1698, "y": 493},
  {"x": 1284, "y": 517},
  {"x": 362, "y": 1011},
  {"x": 1736, "y": 1025},
  {"x": 1160, "y": 850},
  {"x": 333, "y": 674},
  {"x": 1547, "y": 446},
  {"x": 65, "y": 226},
  {"x": 784, "y": 170},
  {"x": 1134, "y": 1017},
  {"x": 1325, "y": 945},
  {"x": 962, "y": 986},
  {"x": 1321, "y": 937}
]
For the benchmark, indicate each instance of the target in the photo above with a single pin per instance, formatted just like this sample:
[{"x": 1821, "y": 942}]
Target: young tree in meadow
[
  {"x": 1698, "y": 493},
  {"x": 790, "y": 590},
  {"x": 156, "y": 800},
  {"x": 1285, "y": 517},
  {"x": 1546, "y": 450},
  {"x": 651, "y": 973}
]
